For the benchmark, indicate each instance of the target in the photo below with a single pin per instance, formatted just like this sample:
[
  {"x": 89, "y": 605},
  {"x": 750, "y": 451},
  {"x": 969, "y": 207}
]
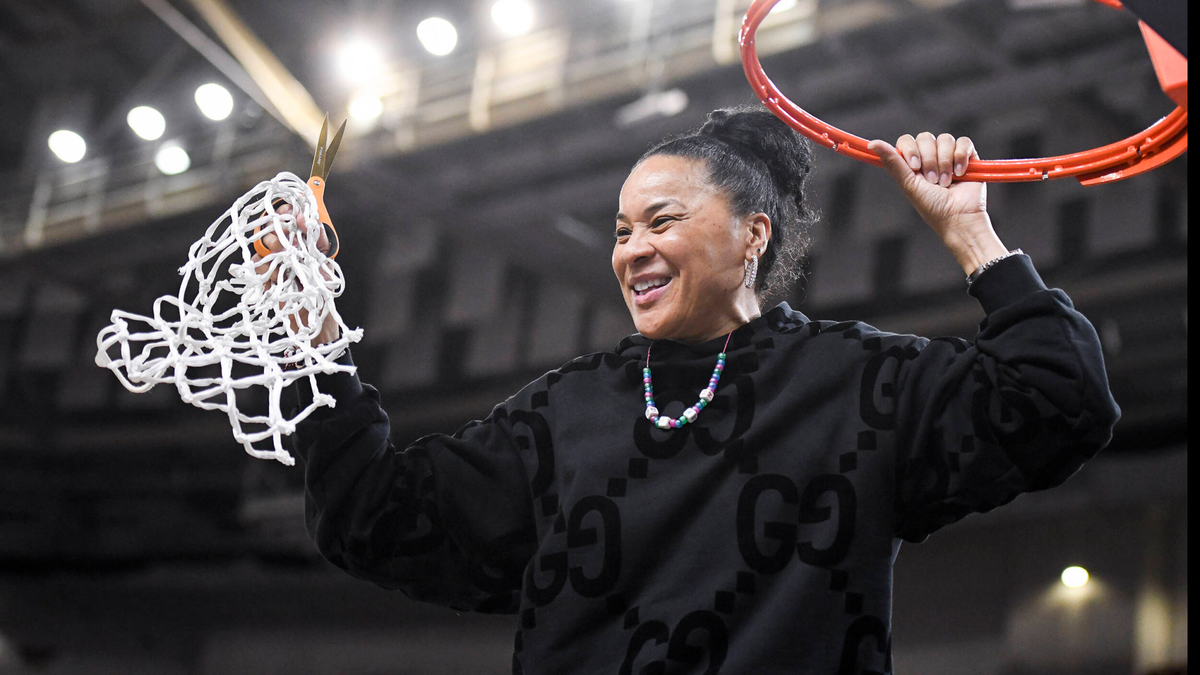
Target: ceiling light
[
  {"x": 146, "y": 122},
  {"x": 68, "y": 145},
  {"x": 514, "y": 17},
  {"x": 365, "y": 108},
  {"x": 437, "y": 35},
  {"x": 1074, "y": 577},
  {"x": 653, "y": 104},
  {"x": 672, "y": 102},
  {"x": 172, "y": 159},
  {"x": 360, "y": 61},
  {"x": 214, "y": 101}
]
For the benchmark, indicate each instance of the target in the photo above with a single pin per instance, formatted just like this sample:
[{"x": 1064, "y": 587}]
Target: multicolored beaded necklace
[{"x": 689, "y": 415}]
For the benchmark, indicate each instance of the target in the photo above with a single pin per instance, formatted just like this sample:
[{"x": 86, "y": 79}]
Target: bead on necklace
[{"x": 689, "y": 415}]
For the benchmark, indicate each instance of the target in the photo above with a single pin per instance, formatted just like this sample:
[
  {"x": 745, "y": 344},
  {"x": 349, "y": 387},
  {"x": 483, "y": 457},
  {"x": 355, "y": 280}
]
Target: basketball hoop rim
[{"x": 1160, "y": 143}]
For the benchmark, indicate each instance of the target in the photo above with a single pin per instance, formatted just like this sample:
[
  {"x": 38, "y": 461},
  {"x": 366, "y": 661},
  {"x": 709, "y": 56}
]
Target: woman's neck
[{"x": 739, "y": 315}]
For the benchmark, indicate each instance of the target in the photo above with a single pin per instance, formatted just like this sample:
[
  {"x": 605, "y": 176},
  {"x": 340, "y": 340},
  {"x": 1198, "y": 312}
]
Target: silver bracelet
[{"x": 984, "y": 267}]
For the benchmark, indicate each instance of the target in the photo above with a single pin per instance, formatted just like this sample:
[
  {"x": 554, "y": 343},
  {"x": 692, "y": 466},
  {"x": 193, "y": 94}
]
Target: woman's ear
[{"x": 759, "y": 233}]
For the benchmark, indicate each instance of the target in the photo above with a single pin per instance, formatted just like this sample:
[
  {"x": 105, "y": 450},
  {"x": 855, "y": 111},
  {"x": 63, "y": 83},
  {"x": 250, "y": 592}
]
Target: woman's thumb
[{"x": 893, "y": 162}]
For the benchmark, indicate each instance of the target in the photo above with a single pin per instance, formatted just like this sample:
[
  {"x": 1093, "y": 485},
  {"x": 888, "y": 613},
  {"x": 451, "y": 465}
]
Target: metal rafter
[
  {"x": 211, "y": 51},
  {"x": 293, "y": 101}
]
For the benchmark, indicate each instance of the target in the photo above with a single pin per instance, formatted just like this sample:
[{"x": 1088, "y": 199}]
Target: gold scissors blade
[
  {"x": 318, "y": 165},
  {"x": 332, "y": 151}
]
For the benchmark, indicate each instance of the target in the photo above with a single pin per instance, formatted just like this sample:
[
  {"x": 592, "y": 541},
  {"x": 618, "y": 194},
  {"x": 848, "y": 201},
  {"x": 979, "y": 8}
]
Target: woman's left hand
[
  {"x": 329, "y": 329},
  {"x": 924, "y": 168}
]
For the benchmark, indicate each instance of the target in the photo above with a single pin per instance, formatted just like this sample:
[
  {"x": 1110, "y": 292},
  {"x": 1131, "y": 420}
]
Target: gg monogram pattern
[{"x": 759, "y": 539}]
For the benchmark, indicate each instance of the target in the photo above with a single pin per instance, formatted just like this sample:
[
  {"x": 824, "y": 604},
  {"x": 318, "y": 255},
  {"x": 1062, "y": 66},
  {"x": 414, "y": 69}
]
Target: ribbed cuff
[
  {"x": 341, "y": 386},
  {"x": 1006, "y": 282}
]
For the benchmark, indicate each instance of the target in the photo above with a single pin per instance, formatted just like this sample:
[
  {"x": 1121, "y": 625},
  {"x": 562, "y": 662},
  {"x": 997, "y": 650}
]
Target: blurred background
[{"x": 475, "y": 193}]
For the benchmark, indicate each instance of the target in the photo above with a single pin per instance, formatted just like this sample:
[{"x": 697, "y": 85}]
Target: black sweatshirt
[{"x": 759, "y": 539}]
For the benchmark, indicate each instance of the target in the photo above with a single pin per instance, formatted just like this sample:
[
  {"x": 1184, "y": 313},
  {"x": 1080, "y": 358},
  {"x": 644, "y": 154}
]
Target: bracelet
[
  {"x": 984, "y": 267},
  {"x": 290, "y": 362}
]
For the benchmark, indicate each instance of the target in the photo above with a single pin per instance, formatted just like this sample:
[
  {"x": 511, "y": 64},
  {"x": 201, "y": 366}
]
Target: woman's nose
[{"x": 637, "y": 248}]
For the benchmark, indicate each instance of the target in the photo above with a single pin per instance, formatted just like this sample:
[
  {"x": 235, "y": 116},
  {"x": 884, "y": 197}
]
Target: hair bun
[
  {"x": 716, "y": 121},
  {"x": 757, "y": 131}
]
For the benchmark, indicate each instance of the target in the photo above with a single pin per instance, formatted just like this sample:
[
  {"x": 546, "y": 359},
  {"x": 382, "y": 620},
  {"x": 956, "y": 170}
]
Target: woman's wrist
[
  {"x": 330, "y": 332},
  {"x": 973, "y": 242}
]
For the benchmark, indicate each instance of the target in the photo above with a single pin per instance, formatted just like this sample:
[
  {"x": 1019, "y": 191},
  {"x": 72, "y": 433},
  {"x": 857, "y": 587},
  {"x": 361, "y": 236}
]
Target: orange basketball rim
[{"x": 1161, "y": 143}]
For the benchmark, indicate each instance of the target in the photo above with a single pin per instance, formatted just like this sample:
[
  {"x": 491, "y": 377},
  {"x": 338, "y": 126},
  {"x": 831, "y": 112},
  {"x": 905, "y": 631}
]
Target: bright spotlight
[
  {"x": 360, "y": 61},
  {"x": 437, "y": 35},
  {"x": 172, "y": 159},
  {"x": 672, "y": 102},
  {"x": 514, "y": 17},
  {"x": 653, "y": 104},
  {"x": 214, "y": 101},
  {"x": 146, "y": 122},
  {"x": 1074, "y": 577},
  {"x": 365, "y": 108},
  {"x": 68, "y": 145}
]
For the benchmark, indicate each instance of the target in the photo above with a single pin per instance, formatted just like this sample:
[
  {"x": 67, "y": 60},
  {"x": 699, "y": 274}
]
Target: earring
[{"x": 751, "y": 271}]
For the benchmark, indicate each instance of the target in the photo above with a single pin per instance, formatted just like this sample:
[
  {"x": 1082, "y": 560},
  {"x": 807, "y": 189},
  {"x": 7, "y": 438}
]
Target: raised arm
[
  {"x": 1019, "y": 410},
  {"x": 448, "y": 520},
  {"x": 1023, "y": 407}
]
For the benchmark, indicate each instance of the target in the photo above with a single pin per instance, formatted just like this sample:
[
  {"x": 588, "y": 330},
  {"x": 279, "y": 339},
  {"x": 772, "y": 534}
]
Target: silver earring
[{"x": 751, "y": 271}]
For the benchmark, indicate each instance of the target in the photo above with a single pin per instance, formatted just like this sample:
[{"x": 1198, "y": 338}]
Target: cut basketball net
[{"x": 237, "y": 309}]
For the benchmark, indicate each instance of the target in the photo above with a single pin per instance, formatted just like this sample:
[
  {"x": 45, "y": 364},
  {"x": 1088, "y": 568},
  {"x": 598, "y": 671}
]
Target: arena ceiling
[{"x": 876, "y": 66}]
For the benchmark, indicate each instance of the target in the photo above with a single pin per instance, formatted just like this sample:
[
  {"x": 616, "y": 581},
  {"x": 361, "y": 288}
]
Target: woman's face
[{"x": 680, "y": 253}]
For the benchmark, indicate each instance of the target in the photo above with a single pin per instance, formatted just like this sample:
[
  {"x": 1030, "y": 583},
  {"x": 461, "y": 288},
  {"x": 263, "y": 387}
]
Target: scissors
[{"x": 322, "y": 161}]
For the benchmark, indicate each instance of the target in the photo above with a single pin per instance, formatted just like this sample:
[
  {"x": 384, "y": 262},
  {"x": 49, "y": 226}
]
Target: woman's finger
[
  {"x": 945, "y": 145},
  {"x": 283, "y": 209},
  {"x": 323, "y": 241},
  {"x": 964, "y": 151},
  {"x": 301, "y": 226},
  {"x": 261, "y": 268},
  {"x": 974, "y": 150},
  {"x": 272, "y": 242},
  {"x": 906, "y": 145},
  {"x": 302, "y": 229},
  {"x": 927, "y": 146},
  {"x": 895, "y": 164}
]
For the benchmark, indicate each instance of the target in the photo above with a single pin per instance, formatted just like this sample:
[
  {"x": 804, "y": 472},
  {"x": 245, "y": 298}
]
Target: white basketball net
[{"x": 229, "y": 315}]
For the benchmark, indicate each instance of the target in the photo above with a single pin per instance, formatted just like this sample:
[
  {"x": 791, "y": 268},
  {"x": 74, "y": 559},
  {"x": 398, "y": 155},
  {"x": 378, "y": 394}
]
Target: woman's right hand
[
  {"x": 329, "y": 329},
  {"x": 924, "y": 167}
]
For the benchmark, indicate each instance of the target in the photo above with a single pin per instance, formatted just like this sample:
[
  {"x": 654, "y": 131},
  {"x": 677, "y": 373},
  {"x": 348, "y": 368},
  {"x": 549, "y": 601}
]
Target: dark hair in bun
[{"x": 761, "y": 165}]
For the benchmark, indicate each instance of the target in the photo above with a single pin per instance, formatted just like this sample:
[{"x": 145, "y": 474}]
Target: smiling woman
[
  {"x": 703, "y": 213},
  {"x": 633, "y": 534}
]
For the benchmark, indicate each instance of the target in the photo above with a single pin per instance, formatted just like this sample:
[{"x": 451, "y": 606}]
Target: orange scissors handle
[
  {"x": 322, "y": 161},
  {"x": 317, "y": 185}
]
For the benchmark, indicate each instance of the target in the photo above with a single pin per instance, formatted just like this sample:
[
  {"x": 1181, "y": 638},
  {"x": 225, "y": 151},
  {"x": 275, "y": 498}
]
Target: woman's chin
[{"x": 655, "y": 325}]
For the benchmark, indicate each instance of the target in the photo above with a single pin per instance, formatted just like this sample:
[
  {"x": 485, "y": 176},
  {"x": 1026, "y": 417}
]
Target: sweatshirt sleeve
[
  {"x": 447, "y": 520},
  {"x": 1019, "y": 410}
]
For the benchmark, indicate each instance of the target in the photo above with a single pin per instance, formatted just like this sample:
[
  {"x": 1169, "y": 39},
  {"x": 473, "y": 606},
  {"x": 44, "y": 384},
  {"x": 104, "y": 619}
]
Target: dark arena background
[{"x": 475, "y": 194}]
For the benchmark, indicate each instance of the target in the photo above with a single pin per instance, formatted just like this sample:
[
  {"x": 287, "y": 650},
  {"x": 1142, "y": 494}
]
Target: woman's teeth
[{"x": 642, "y": 286}]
